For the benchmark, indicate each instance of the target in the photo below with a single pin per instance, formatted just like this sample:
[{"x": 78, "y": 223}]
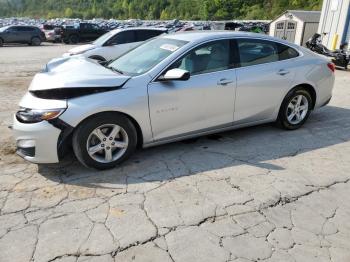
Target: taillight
[{"x": 331, "y": 66}]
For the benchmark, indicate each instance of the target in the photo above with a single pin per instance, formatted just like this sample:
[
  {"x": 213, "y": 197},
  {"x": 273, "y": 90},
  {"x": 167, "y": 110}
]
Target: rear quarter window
[{"x": 286, "y": 52}]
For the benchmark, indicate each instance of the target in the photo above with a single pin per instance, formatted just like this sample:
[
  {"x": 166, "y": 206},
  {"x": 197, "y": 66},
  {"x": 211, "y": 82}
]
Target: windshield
[
  {"x": 103, "y": 38},
  {"x": 146, "y": 56},
  {"x": 2, "y": 29}
]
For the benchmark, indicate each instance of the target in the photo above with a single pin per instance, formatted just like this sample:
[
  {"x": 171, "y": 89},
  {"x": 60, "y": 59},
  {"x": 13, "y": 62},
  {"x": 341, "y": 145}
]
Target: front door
[
  {"x": 204, "y": 101},
  {"x": 13, "y": 35}
]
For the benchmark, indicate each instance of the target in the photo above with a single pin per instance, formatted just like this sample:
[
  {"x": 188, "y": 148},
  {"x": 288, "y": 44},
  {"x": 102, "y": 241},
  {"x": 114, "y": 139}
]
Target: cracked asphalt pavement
[{"x": 257, "y": 194}]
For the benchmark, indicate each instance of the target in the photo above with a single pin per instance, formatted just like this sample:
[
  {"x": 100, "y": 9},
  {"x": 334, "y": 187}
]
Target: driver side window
[{"x": 211, "y": 57}]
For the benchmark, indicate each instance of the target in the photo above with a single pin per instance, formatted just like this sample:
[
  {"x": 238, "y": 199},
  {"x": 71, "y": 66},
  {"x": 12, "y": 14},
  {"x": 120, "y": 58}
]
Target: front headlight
[{"x": 26, "y": 115}]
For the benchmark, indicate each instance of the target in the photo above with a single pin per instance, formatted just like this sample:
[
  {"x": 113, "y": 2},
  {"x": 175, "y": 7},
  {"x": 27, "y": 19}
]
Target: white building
[
  {"x": 296, "y": 26},
  {"x": 335, "y": 22}
]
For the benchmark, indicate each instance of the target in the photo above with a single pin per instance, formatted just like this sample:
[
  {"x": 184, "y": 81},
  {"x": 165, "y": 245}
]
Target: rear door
[
  {"x": 265, "y": 74},
  {"x": 205, "y": 101}
]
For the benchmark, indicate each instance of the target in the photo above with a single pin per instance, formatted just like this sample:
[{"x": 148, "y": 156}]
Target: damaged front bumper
[
  {"x": 41, "y": 142},
  {"x": 36, "y": 142}
]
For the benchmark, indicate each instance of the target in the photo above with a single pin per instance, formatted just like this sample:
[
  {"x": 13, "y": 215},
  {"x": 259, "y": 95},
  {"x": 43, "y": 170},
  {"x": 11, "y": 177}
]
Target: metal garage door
[{"x": 286, "y": 30}]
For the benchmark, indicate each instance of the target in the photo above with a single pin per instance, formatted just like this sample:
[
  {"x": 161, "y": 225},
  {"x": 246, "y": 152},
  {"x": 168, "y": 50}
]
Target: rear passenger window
[
  {"x": 27, "y": 29},
  {"x": 255, "y": 52},
  {"x": 286, "y": 52},
  {"x": 143, "y": 35}
]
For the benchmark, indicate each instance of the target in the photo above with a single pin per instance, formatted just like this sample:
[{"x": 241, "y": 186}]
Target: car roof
[
  {"x": 29, "y": 26},
  {"x": 137, "y": 28},
  {"x": 206, "y": 35}
]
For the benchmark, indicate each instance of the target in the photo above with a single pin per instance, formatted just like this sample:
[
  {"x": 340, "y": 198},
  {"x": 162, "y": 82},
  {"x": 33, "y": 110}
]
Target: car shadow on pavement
[{"x": 256, "y": 147}]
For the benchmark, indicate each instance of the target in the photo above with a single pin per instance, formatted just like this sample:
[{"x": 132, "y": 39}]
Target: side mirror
[{"x": 176, "y": 74}]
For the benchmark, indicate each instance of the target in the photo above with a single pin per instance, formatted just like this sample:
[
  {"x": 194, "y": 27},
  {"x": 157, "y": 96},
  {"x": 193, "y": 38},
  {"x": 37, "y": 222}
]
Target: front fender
[{"x": 129, "y": 101}]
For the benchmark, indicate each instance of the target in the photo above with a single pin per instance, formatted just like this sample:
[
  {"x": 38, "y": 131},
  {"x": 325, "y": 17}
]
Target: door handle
[
  {"x": 224, "y": 81},
  {"x": 283, "y": 72}
]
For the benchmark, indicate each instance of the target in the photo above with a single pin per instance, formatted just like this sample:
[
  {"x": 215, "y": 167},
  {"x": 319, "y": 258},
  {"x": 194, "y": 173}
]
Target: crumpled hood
[
  {"x": 81, "y": 49},
  {"x": 79, "y": 72}
]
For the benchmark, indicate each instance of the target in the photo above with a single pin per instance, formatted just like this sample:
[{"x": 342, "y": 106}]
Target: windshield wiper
[{"x": 115, "y": 70}]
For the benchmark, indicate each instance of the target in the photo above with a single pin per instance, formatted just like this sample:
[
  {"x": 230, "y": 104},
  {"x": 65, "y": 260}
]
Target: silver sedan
[{"x": 170, "y": 88}]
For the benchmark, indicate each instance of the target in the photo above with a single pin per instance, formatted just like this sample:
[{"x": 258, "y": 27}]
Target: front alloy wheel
[
  {"x": 107, "y": 143},
  {"x": 104, "y": 140}
]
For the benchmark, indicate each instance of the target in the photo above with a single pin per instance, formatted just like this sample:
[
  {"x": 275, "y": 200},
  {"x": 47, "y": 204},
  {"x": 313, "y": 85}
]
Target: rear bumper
[{"x": 37, "y": 142}]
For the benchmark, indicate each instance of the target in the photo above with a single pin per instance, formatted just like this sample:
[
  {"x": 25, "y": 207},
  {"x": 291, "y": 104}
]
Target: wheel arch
[
  {"x": 73, "y": 35},
  {"x": 308, "y": 87},
  {"x": 133, "y": 121},
  {"x": 312, "y": 91}
]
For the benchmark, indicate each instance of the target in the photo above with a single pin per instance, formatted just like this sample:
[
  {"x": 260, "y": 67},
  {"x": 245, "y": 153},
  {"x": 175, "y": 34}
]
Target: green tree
[
  {"x": 155, "y": 9},
  {"x": 68, "y": 12}
]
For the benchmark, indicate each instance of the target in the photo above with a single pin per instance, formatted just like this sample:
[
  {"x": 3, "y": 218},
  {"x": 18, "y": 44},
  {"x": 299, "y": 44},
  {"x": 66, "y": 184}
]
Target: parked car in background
[
  {"x": 115, "y": 43},
  {"x": 30, "y": 35},
  {"x": 73, "y": 34},
  {"x": 170, "y": 88},
  {"x": 52, "y": 33}
]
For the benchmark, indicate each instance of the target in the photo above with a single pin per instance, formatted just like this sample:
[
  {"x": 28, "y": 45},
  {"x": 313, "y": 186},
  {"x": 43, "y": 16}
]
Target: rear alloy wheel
[
  {"x": 35, "y": 41},
  {"x": 295, "y": 109},
  {"x": 104, "y": 140}
]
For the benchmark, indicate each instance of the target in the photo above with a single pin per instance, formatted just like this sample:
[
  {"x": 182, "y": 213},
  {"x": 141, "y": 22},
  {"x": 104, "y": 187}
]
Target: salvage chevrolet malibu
[{"x": 170, "y": 88}]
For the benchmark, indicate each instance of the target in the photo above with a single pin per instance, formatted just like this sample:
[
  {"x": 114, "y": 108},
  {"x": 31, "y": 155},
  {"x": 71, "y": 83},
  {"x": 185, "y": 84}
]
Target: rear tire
[
  {"x": 295, "y": 109},
  {"x": 96, "y": 146},
  {"x": 73, "y": 39},
  {"x": 1, "y": 42},
  {"x": 35, "y": 41}
]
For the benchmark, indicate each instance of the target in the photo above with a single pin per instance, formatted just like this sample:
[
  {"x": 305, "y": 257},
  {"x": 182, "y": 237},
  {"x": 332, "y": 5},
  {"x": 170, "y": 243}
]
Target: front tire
[
  {"x": 1, "y": 42},
  {"x": 295, "y": 109},
  {"x": 104, "y": 140}
]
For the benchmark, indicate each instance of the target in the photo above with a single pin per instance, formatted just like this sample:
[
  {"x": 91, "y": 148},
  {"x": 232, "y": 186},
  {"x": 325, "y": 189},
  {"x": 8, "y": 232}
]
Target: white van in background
[{"x": 115, "y": 43}]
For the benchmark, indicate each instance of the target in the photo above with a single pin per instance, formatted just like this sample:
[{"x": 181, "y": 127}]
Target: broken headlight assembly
[{"x": 26, "y": 115}]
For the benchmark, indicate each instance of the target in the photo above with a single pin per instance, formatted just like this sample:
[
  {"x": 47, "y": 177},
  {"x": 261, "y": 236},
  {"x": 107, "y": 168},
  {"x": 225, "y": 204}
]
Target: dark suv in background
[
  {"x": 30, "y": 35},
  {"x": 81, "y": 32}
]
